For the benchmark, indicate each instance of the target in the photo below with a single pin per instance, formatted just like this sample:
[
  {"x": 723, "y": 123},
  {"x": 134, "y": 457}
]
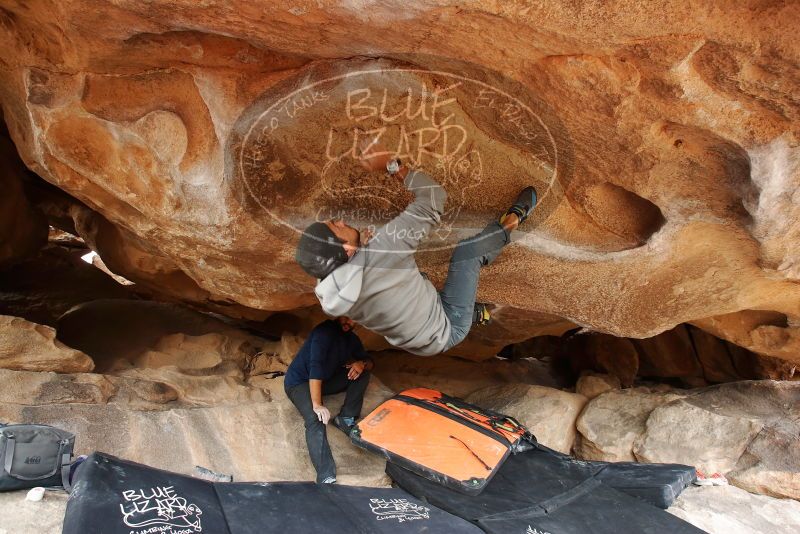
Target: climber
[
  {"x": 374, "y": 279},
  {"x": 331, "y": 360}
]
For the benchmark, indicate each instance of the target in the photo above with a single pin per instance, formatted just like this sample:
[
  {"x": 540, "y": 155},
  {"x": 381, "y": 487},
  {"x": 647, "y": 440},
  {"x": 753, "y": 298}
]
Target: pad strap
[
  {"x": 66, "y": 463},
  {"x": 9, "y": 458}
]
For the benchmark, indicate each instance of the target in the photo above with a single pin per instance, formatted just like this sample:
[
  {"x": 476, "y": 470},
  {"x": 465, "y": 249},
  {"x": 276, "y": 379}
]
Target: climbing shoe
[
  {"x": 523, "y": 206},
  {"x": 345, "y": 424},
  {"x": 481, "y": 314}
]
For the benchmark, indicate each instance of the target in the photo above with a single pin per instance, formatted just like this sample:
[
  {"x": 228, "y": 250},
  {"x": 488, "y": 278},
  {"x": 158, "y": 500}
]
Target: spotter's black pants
[{"x": 316, "y": 436}]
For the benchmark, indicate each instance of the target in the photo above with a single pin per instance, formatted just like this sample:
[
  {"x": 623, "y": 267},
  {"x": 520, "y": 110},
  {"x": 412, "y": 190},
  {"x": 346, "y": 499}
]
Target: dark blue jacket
[{"x": 325, "y": 352}]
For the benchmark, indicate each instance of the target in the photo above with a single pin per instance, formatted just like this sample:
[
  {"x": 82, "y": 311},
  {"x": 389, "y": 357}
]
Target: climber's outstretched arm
[{"x": 409, "y": 228}]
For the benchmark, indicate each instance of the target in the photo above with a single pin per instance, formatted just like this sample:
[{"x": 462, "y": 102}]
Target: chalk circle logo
[
  {"x": 400, "y": 509},
  {"x": 293, "y": 156},
  {"x": 159, "y": 509}
]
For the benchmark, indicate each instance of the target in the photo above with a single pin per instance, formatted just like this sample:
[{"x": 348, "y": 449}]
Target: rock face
[
  {"x": 188, "y": 143},
  {"x": 27, "y": 346},
  {"x": 746, "y": 430},
  {"x": 37, "y": 388},
  {"x": 124, "y": 333},
  {"x": 198, "y": 136}
]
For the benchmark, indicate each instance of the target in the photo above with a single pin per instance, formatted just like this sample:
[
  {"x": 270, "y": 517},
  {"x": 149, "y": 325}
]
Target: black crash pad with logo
[
  {"x": 544, "y": 492},
  {"x": 113, "y": 496}
]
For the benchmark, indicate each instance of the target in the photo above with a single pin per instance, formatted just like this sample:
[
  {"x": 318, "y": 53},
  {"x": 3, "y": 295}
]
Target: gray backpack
[{"x": 35, "y": 455}]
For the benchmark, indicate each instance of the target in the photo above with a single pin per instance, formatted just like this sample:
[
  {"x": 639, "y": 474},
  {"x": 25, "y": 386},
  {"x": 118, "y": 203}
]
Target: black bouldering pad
[
  {"x": 541, "y": 491},
  {"x": 656, "y": 484},
  {"x": 113, "y": 496},
  {"x": 304, "y": 507}
]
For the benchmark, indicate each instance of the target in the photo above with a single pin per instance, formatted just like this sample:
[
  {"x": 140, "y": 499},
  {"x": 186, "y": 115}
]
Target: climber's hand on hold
[
  {"x": 374, "y": 156},
  {"x": 365, "y": 235}
]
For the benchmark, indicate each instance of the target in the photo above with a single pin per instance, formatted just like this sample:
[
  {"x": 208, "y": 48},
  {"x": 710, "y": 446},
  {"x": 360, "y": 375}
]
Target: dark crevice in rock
[
  {"x": 685, "y": 356},
  {"x": 630, "y": 217}
]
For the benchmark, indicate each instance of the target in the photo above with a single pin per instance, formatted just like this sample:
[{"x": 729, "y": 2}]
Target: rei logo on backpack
[{"x": 34, "y": 455}]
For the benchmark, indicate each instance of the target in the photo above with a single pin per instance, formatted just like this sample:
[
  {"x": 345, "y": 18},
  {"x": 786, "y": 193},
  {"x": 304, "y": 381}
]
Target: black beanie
[{"x": 319, "y": 251}]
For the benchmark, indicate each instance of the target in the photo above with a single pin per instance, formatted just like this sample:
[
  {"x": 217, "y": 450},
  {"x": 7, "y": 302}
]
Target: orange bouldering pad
[{"x": 442, "y": 438}]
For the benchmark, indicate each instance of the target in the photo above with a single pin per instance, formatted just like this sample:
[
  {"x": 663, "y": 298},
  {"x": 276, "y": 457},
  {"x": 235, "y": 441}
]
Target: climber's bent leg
[{"x": 461, "y": 286}]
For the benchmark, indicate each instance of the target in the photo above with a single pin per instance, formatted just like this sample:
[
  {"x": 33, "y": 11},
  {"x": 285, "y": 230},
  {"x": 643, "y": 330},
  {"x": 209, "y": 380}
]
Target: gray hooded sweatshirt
[{"x": 381, "y": 286}]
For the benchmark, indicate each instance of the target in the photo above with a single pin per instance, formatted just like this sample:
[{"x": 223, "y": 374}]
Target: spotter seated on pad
[{"x": 332, "y": 360}]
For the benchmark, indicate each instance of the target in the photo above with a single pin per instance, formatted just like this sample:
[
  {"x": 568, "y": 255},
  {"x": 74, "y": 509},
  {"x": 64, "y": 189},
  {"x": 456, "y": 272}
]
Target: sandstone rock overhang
[{"x": 680, "y": 129}]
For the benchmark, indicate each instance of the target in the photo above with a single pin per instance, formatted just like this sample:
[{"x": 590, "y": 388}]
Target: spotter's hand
[
  {"x": 355, "y": 369},
  {"x": 323, "y": 414}
]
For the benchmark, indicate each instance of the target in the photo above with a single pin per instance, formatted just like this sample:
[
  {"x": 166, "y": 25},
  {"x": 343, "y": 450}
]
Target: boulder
[
  {"x": 274, "y": 356},
  {"x": 549, "y": 413},
  {"x": 714, "y": 356},
  {"x": 605, "y": 354},
  {"x": 611, "y": 423},
  {"x": 685, "y": 352},
  {"x": 27, "y": 346},
  {"x": 143, "y": 394},
  {"x": 125, "y": 333},
  {"x": 188, "y": 352},
  {"x": 680, "y": 432},
  {"x": 591, "y": 385},
  {"x": 747, "y": 430},
  {"x": 728, "y": 510},
  {"x": 771, "y": 463}
]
